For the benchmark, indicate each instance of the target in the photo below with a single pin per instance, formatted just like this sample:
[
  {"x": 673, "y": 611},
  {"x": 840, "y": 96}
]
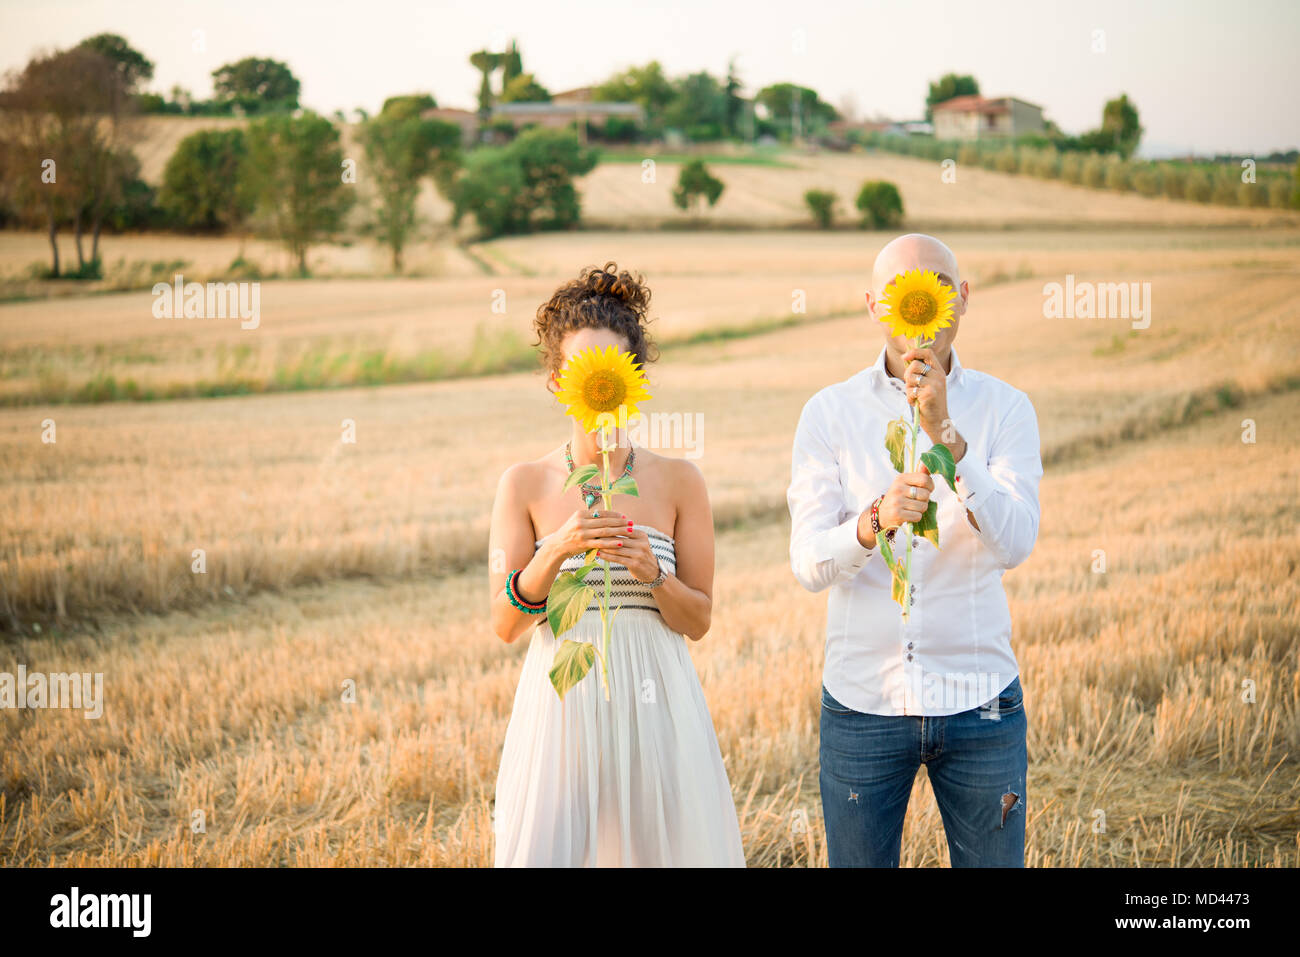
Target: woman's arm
[
  {"x": 685, "y": 599},
  {"x": 511, "y": 545}
]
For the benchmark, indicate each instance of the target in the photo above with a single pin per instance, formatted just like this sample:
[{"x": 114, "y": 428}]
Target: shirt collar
[{"x": 880, "y": 373}]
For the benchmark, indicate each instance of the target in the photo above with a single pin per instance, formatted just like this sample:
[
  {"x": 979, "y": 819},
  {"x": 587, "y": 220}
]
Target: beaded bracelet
[
  {"x": 875, "y": 519},
  {"x": 523, "y": 604}
]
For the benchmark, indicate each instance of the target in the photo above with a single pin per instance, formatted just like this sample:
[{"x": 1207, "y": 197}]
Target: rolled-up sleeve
[
  {"x": 824, "y": 546},
  {"x": 1002, "y": 492}
]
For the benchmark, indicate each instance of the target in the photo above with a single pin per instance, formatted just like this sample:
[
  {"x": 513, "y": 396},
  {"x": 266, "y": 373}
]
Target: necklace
[{"x": 592, "y": 492}]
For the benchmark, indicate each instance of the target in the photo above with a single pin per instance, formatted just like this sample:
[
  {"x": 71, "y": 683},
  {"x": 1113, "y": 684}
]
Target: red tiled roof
[{"x": 972, "y": 103}]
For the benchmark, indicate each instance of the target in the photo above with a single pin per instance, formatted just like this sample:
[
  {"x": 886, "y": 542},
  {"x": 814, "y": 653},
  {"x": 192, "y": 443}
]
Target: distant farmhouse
[
  {"x": 974, "y": 118},
  {"x": 559, "y": 112}
]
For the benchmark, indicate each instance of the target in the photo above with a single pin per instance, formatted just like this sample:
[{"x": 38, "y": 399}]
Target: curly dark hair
[{"x": 600, "y": 298}]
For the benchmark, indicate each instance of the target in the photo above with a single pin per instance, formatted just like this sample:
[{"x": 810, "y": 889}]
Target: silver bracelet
[{"x": 658, "y": 579}]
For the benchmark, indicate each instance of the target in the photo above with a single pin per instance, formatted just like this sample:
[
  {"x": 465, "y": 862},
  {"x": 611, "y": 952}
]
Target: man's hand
[
  {"x": 905, "y": 501},
  {"x": 928, "y": 391}
]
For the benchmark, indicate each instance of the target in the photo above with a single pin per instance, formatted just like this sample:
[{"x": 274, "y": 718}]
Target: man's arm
[
  {"x": 1002, "y": 494},
  {"x": 823, "y": 548}
]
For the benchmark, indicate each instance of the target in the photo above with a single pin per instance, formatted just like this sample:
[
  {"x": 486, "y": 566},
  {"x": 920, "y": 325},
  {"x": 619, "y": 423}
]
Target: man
[{"x": 941, "y": 689}]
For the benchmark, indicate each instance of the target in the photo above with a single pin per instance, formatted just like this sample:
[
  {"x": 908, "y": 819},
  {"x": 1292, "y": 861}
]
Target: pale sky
[{"x": 1206, "y": 76}]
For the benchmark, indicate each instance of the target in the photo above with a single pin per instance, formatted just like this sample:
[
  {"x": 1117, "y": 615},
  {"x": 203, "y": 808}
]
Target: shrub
[
  {"x": 1094, "y": 171},
  {"x": 201, "y": 187},
  {"x": 694, "y": 183},
  {"x": 821, "y": 203},
  {"x": 524, "y": 186},
  {"x": 1117, "y": 174},
  {"x": 1072, "y": 168},
  {"x": 1174, "y": 180},
  {"x": 880, "y": 204},
  {"x": 1279, "y": 192},
  {"x": 968, "y": 155},
  {"x": 1252, "y": 195},
  {"x": 1146, "y": 180},
  {"x": 1225, "y": 188},
  {"x": 1049, "y": 163},
  {"x": 1198, "y": 189},
  {"x": 1007, "y": 161}
]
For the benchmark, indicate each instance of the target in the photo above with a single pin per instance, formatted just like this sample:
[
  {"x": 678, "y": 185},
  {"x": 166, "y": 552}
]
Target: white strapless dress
[{"x": 636, "y": 781}]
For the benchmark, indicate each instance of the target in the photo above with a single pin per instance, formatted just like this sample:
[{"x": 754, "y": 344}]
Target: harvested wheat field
[{"x": 1163, "y": 693}]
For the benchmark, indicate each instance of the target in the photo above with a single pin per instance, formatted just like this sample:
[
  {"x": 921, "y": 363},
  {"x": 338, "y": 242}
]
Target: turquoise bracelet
[{"x": 528, "y": 607}]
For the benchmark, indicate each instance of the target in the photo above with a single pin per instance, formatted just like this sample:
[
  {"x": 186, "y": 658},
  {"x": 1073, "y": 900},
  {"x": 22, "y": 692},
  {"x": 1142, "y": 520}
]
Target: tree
[
  {"x": 694, "y": 183},
  {"x": 62, "y": 119},
  {"x": 485, "y": 62},
  {"x": 735, "y": 102},
  {"x": 698, "y": 107},
  {"x": 401, "y": 150},
  {"x": 821, "y": 203},
  {"x": 294, "y": 173},
  {"x": 524, "y": 186},
  {"x": 512, "y": 64},
  {"x": 798, "y": 106},
  {"x": 203, "y": 182},
  {"x": 1119, "y": 122},
  {"x": 949, "y": 86},
  {"x": 410, "y": 104},
  {"x": 132, "y": 66},
  {"x": 256, "y": 85},
  {"x": 524, "y": 88},
  {"x": 880, "y": 204},
  {"x": 644, "y": 85}
]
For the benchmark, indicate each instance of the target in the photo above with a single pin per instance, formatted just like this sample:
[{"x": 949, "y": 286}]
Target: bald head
[{"x": 913, "y": 251}]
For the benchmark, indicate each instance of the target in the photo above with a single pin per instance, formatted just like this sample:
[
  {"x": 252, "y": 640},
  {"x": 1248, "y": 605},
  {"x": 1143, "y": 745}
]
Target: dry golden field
[{"x": 329, "y": 562}]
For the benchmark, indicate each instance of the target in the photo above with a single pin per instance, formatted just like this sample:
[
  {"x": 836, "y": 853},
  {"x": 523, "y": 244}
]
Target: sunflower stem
[
  {"x": 907, "y": 528},
  {"x": 604, "y": 604}
]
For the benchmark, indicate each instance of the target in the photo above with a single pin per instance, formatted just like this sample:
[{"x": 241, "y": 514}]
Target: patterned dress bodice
[{"x": 624, "y": 590}]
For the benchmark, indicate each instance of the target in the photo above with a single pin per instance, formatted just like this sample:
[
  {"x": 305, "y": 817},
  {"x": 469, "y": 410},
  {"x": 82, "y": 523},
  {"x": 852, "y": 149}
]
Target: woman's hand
[
  {"x": 635, "y": 554},
  {"x": 581, "y": 532}
]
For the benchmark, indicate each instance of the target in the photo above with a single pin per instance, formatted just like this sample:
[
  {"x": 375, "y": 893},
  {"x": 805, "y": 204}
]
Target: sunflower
[
  {"x": 917, "y": 304},
  {"x": 595, "y": 383}
]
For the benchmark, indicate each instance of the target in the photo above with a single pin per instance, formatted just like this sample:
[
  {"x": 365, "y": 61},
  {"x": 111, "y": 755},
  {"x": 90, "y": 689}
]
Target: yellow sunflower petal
[
  {"x": 917, "y": 304},
  {"x": 596, "y": 382}
]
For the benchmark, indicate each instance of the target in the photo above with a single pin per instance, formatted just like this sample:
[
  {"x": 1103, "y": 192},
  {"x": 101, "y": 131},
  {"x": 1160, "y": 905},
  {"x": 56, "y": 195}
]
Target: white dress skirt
[{"x": 636, "y": 781}]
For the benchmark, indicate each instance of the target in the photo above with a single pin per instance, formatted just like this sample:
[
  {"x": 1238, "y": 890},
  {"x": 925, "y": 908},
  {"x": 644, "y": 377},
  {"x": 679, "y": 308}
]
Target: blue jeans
[{"x": 976, "y": 761}]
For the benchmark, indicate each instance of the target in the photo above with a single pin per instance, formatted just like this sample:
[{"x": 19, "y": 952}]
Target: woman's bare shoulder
[{"x": 526, "y": 479}]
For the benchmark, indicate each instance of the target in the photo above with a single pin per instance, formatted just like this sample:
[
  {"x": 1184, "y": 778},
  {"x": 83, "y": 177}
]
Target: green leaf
[
  {"x": 568, "y": 599},
  {"x": 898, "y": 589},
  {"x": 626, "y": 485},
  {"x": 578, "y": 476},
  {"x": 895, "y": 439},
  {"x": 886, "y": 552},
  {"x": 939, "y": 461},
  {"x": 573, "y": 659},
  {"x": 928, "y": 526}
]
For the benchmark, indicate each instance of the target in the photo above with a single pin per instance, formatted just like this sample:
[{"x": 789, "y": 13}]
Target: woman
[{"x": 636, "y": 780}]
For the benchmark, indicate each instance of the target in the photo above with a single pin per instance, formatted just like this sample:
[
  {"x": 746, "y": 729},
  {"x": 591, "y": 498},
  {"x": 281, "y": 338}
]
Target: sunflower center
[
  {"x": 604, "y": 390},
  {"x": 918, "y": 308}
]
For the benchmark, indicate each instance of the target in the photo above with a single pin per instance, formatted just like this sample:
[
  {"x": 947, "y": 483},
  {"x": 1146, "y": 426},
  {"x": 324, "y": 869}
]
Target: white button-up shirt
[{"x": 955, "y": 652}]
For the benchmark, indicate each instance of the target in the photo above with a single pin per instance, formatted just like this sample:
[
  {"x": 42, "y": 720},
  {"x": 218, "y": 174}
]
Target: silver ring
[
  {"x": 926, "y": 369},
  {"x": 595, "y": 514},
  {"x": 911, "y": 492},
  {"x": 916, "y": 390}
]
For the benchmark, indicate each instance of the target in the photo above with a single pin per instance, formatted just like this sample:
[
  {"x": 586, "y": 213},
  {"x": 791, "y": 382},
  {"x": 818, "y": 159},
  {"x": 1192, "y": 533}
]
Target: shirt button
[
  {"x": 909, "y": 657},
  {"x": 911, "y": 645},
  {"x": 916, "y": 543}
]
